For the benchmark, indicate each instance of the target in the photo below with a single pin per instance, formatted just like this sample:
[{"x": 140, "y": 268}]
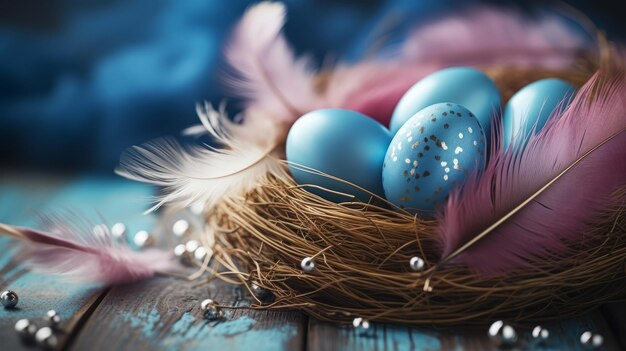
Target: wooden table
[{"x": 164, "y": 313}]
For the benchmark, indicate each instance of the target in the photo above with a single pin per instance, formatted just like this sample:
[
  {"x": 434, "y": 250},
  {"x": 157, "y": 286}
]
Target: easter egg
[
  {"x": 460, "y": 85},
  {"x": 340, "y": 143},
  {"x": 431, "y": 154},
  {"x": 531, "y": 107}
]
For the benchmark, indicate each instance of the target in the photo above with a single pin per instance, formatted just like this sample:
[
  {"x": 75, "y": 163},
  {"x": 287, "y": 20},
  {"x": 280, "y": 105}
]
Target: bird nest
[{"x": 362, "y": 252}]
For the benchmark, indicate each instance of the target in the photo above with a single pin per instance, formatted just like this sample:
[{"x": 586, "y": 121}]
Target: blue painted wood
[
  {"x": 20, "y": 199},
  {"x": 164, "y": 313}
]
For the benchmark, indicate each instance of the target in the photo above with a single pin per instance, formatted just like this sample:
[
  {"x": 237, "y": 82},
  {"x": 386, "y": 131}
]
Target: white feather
[{"x": 203, "y": 173}]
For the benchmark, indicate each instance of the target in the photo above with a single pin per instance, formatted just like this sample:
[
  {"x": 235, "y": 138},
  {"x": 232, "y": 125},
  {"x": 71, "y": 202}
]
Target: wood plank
[
  {"x": 20, "y": 198},
  {"x": 164, "y": 313},
  {"x": 564, "y": 336}
]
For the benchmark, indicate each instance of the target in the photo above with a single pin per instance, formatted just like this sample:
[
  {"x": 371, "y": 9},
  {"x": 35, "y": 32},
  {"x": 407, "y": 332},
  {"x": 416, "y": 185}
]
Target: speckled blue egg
[
  {"x": 461, "y": 85},
  {"x": 431, "y": 154},
  {"x": 341, "y": 143},
  {"x": 531, "y": 107}
]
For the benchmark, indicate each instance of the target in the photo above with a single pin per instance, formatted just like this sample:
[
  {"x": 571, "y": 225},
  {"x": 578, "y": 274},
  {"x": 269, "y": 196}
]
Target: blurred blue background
[{"x": 80, "y": 81}]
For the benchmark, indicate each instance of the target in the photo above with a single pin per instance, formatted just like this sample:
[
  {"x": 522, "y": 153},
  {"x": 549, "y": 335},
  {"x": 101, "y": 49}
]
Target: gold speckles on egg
[
  {"x": 444, "y": 146},
  {"x": 458, "y": 150},
  {"x": 446, "y": 126},
  {"x": 460, "y": 135},
  {"x": 437, "y": 190},
  {"x": 405, "y": 172},
  {"x": 405, "y": 198},
  {"x": 415, "y": 163},
  {"x": 457, "y": 166},
  {"x": 407, "y": 161},
  {"x": 412, "y": 172},
  {"x": 425, "y": 174},
  {"x": 416, "y": 188}
]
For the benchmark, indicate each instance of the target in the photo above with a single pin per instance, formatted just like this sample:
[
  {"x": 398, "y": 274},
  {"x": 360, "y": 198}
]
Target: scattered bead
[
  {"x": 260, "y": 292},
  {"x": 143, "y": 239},
  {"x": 52, "y": 318},
  {"x": 591, "y": 340},
  {"x": 200, "y": 254},
  {"x": 181, "y": 227},
  {"x": 191, "y": 246},
  {"x": 25, "y": 329},
  {"x": 417, "y": 264},
  {"x": 9, "y": 299},
  {"x": 540, "y": 333},
  {"x": 307, "y": 264},
  {"x": 45, "y": 337},
  {"x": 210, "y": 310},
  {"x": 118, "y": 230},
  {"x": 361, "y": 325},
  {"x": 502, "y": 334}
]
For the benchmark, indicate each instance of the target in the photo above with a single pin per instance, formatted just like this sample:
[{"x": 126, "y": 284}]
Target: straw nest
[{"x": 362, "y": 253}]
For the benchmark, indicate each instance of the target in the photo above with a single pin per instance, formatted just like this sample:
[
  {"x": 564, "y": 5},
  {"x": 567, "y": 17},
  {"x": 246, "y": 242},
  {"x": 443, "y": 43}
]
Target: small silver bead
[
  {"x": 25, "y": 329},
  {"x": 540, "y": 333},
  {"x": 200, "y": 254},
  {"x": 184, "y": 257},
  {"x": 191, "y": 246},
  {"x": 210, "y": 310},
  {"x": 307, "y": 264},
  {"x": 52, "y": 318},
  {"x": 181, "y": 227},
  {"x": 143, "y": 239},
  {"x": 45, "y": 337},
  {"x": 417, "y": 264},
  {"x": 502, "y": 334},
  {"x": 260, "y": 292},
  {"x": 118, "y": 231},
  {"x": 361, "y": 325},
  {"x": 9, "y": 299},
  {"x": 591, "y": 340}
]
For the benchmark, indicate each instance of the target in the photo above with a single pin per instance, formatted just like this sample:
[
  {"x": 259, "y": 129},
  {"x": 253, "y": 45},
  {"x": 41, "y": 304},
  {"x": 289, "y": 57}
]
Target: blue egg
[
  {"x": 461, "y": 85},
  {"x": 341, "y": 143},
  {"x": 531, "y": 107},
  {"x": 431, "y": 154}
]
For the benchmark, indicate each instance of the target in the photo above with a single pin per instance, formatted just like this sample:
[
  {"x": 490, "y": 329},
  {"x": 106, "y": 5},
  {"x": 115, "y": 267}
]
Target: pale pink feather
[
  {"x": 266, "y": 72},
  {"x": 72, "y": 250},
  {"x": 559, "y": 215},
  {"x": 479, "y": 37}
]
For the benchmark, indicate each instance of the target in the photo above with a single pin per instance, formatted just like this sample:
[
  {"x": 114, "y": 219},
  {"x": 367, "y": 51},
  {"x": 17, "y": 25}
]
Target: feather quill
[
  {"x": 530, "y": 203},
  {"x": 71, "y": 249}
]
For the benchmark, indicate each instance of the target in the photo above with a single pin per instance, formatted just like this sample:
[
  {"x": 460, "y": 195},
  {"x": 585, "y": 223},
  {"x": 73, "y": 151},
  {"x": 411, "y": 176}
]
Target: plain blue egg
[
  {"x": 341, "y": 143},
  {"x": 433, "y": 153},
  {"x": 531, "y": 107},
  {"x": 461, "y": 85}
]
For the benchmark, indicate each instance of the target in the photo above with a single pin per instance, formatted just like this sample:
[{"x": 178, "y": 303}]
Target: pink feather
[
  {"x": 559, "y": 214},
  {"x": 479, "y": 37},
  {"x": 266, "y": 71},
  {"x": 72, "y": 250}
]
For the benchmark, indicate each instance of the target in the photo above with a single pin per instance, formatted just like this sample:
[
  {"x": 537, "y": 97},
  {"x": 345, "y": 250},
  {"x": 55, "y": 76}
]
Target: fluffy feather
[
  {"x": 477, "y": 37},
  {"x": 513, "y": 213},
  {"x": 72, "y": 250},
  {"x": 266, "y": 71},
  {"x": 202, "y": 173}
]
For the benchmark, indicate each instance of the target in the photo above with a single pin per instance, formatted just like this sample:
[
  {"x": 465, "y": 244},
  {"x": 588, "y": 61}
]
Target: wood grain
[
  {"x": 20, "y": 199},
  {"x": 164, "y": 313},
  {"x": 565, "y": 335}
]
